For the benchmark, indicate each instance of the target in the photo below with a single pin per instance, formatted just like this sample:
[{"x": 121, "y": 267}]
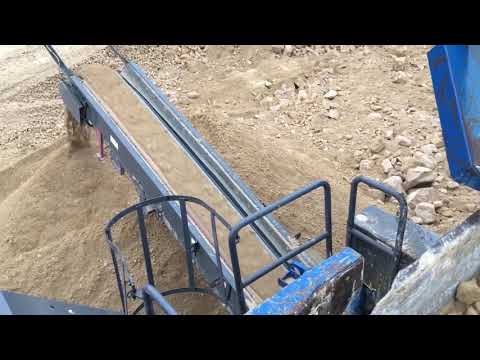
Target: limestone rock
[
  {"x": 389, "y": 134},
  {"x": 417, "y": 220},
  {"x": 377, "y": 146},
  {"x": 400, "y": 78},
  {"x": 403, "y": 140},
  {"x": 468, "y": 292},
  {"x": 288, "y": 50},
  {"x": 193, "y": 95},
  {"x": 302, "y": 95},
  {"x": 429, "y": 149},
  {"x": 421, "y": 195},
  {"x": 422, "y": 159},
  {"x": 418, "y": 176},
  {"x": 330, "y": 95},
  {"x": 426, "y": 211},
  {"x": 396, "y": 183},
  {"x": 387, "y": 166},
  {"x": 333, "y": 114}
]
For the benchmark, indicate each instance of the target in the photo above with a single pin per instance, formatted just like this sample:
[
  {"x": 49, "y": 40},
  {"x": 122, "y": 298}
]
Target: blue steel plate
[{"x": 455, "y": 71}]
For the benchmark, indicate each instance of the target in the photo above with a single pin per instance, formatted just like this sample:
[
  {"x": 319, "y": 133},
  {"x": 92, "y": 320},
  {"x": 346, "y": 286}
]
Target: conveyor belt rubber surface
[{"x": 178, "y": 171}]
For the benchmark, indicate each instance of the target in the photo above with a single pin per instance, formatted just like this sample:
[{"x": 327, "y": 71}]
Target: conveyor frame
[{"x": 86, "y": 109}]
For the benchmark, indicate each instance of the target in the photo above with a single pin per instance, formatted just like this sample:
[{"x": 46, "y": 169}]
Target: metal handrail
[
  {"x": 233, "y": 238},
  {"x": 150, "y": 293},
  {"x": 124, "y": 278},
  {"x": 352, "y": 229}
]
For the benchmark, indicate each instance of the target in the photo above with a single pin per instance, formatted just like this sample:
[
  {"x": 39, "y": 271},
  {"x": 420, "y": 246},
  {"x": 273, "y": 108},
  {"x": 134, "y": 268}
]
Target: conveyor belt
[
  {"x": 271, "y": 232},
  {"x": 167, "y": 158}
]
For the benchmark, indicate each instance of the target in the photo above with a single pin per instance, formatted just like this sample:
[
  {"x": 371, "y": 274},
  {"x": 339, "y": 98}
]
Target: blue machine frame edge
[{"x": 316, "y": 286}]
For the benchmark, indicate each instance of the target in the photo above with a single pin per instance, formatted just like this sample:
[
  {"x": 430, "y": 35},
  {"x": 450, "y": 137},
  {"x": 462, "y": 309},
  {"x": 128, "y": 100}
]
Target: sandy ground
[
  {"x": 264, "y": 112},
  {"x": 28, "y": 122},
  {"x": 22, "y": 66}
]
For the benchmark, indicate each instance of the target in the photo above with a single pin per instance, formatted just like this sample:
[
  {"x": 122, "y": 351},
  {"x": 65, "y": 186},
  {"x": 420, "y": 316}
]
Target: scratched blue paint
[
  {"x": 455, "y": 71},
  {"x": 293, "y": 297}
]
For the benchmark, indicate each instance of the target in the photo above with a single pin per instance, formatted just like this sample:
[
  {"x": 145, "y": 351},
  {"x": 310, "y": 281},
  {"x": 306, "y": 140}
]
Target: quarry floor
[{"x": 263, "y": 109}]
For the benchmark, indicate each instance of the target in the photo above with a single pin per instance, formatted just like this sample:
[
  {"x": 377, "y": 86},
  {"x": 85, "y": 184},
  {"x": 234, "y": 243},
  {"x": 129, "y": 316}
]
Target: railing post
[
  {"x": 218, "y": 256},
  {"x": 145, "y": 246},
  {"x": 147, "y": 300},
  {"x": 187, "y": 239},
  {"x": 328, "y": 218}
]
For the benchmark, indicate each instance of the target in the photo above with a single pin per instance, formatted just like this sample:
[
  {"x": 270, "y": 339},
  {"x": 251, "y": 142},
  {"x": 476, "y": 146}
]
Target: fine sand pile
[{"x": 54, "y": 205}]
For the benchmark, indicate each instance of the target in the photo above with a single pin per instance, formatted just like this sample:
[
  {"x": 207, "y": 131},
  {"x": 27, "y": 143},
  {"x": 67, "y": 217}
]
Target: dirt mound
[{"x": 53, "y": 207}]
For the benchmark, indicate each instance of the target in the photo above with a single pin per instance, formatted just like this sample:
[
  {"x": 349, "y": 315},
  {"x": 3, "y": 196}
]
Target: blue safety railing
[{"x": 240, "y": 283}]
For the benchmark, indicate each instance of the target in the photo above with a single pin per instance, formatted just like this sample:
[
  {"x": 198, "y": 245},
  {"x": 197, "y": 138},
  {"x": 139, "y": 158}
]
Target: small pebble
[
  {"x": 333, "y": 114},
  {"x": 330, "y": 95}
]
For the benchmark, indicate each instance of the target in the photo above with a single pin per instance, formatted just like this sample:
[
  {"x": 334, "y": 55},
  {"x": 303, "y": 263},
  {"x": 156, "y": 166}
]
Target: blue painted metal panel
[
  {"x": 298, "y": 295},
  {"x": 455, "y": 71}
]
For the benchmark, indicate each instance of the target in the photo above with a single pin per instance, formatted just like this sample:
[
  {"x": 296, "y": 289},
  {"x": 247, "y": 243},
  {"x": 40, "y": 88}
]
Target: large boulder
[
  {"x": 421, "y": 195},
  {"x": 418, "y": 176}
]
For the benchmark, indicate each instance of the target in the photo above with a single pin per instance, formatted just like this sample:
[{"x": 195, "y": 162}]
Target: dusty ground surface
[
  {"x": 281, "y": 117},
  {"x": 31, "y": 109}
]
